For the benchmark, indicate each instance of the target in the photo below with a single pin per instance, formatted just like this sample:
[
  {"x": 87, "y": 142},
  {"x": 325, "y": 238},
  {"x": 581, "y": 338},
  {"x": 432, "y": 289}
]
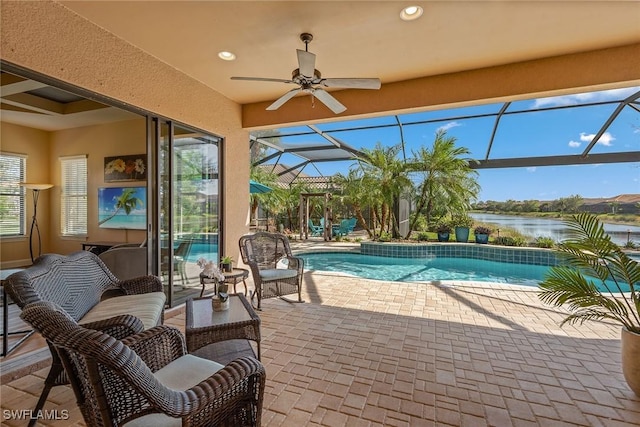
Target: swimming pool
[{"x": 426, "y": 269}]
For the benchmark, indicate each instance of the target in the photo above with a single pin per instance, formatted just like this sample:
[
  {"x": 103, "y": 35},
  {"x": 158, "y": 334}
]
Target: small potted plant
[
  {"x": 443, "y": 230},
  {"x": 462, "y": 223},
  {"x": 226, "y": 263},
  {"x": 220, "y": 301},
  {"x": 482, "y": 234}
]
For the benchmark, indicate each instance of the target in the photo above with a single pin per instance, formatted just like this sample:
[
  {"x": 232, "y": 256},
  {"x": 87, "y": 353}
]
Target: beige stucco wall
[
  {"x": 47, "y": 38},
  {"x": 35, "y": 145}
]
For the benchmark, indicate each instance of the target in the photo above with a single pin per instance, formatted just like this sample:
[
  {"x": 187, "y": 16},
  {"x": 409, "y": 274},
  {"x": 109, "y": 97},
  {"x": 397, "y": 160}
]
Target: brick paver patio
[{"x": 367, "y": 353}]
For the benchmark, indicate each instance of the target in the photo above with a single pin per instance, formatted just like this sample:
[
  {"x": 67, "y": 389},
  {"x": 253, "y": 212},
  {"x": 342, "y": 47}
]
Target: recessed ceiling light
[
  {"x": 227, "y": 56},
  {"x": 410, "y": 13}
]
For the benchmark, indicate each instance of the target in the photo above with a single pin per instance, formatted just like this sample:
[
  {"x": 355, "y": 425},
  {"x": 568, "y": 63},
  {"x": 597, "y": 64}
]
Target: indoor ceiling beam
[{"x": 11, "y": 84}]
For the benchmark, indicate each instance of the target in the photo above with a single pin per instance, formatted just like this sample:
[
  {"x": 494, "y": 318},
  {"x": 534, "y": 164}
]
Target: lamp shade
[{"x": 35, "y": 186}]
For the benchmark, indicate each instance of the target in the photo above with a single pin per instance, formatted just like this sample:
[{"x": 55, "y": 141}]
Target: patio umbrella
[{"x": 256, "y": 187}]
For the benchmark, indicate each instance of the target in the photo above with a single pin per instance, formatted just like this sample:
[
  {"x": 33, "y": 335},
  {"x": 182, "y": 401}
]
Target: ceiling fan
[{"x": 310, "y": 81}]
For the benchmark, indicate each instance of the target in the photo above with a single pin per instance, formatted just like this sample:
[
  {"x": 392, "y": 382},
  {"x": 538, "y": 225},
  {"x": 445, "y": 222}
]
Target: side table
[
  {"x": 231, "y": 277},
  {"x": 222, "y": 336}
]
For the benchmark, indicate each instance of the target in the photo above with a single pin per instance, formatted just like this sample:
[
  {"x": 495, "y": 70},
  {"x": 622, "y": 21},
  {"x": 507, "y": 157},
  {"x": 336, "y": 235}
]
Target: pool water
[{"x": 427, "y": 269}]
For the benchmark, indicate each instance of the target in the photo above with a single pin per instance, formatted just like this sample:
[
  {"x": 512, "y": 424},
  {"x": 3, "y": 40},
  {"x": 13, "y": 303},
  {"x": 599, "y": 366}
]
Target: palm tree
[
  {"x": 126, "y": 201},
  {"x": 355, "y": 193},
  {"x": 388, "y": 178},
  {"x": 447, "y": 178}
]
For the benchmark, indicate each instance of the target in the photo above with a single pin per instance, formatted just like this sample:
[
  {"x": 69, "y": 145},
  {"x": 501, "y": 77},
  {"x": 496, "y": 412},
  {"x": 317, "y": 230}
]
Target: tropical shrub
[
  {"x": 422, "y": 236},
  {"x": 544, "y": 242},
  {"x": 510, "y": 241},
  {"x": 444, "y": 227},
  {"x": 384, "y": 237},
  {"x": 461, "y": 220},
  {"x": 482, "y": 230}
]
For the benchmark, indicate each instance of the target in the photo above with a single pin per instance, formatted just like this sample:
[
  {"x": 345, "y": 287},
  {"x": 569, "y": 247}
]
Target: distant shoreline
[{"x": 624, "y": 219}]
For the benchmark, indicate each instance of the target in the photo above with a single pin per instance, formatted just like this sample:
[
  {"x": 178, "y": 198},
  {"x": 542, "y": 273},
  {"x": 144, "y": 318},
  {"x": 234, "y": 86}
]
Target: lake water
[{"x": 554, "y": 228}]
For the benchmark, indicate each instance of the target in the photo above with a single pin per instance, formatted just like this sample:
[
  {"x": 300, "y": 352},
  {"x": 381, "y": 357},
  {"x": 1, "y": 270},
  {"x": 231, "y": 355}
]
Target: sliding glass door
[{"x": 186, "y": 184}]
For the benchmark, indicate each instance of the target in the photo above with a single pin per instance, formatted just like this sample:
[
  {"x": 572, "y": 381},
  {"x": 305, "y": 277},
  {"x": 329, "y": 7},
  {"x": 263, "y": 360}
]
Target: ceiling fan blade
[
  {"x": 327, "y": 99},
  {"x": 284, "y": 98},
  {"x": 306, "y": 63},
  {"x": 352, "y": 83},
  {"x": 262, "y": 79}
]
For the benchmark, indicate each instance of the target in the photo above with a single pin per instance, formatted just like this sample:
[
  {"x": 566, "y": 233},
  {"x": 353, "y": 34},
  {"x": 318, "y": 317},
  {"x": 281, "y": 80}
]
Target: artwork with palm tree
[{"x": 122, "y": 207}]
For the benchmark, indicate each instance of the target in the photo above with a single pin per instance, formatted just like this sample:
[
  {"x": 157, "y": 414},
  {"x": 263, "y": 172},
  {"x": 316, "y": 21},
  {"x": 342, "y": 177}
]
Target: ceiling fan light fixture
[
  {"x": 411, "y": 13},
  {"x": 226, "y": 56}
]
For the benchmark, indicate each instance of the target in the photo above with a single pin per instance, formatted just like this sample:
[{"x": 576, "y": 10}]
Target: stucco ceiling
[
  {"x": 351, "y": 39},
  {"x": 356, "y": 38}
]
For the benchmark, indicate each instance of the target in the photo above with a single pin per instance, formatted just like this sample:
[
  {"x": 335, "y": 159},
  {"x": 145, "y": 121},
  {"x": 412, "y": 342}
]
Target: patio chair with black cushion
[
  {"x": 276, "y": 272},
  {"x": 148, "y": 379}
]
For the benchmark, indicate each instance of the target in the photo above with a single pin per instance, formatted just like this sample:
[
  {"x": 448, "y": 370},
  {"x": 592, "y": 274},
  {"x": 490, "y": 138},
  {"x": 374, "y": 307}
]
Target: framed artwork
[
  {"x": 125, "y": 168},
  {"x": 122, "y": 207}
]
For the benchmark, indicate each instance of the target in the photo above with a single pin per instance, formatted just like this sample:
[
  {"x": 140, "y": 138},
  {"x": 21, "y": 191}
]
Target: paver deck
[{"x": 367, "y": 353}]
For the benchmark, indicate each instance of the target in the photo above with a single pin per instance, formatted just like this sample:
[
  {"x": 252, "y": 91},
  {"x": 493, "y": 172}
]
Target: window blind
[
  {"x": 74, "y": 196},
  {"x": 12, "y": 195}
]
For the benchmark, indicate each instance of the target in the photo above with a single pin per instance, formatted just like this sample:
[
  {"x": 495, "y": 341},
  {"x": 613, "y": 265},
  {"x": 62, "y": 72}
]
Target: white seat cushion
[
  {"x": 277, "y": 274},
  {"x": 181, "y": 374},
  {"x": 146, "y": 307}
]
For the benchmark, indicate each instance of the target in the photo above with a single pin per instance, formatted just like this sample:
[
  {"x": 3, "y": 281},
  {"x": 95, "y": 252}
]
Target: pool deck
[{"x": 370, "y": 353}]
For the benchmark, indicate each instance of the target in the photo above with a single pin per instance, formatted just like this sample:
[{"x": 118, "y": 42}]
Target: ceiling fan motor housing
[{"x": 300, "y": 79}]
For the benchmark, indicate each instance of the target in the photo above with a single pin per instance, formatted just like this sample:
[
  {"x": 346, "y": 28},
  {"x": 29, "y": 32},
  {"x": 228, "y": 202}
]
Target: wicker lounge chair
[
  {"x": 276, "y": 272},
  {"x": 148, "y": 379}
]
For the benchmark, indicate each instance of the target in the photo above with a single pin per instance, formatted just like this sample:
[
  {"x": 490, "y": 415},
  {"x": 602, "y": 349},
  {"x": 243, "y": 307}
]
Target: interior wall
[
  {"x": 47, "y": 38},
  {"x": 97, "y": 142},
  {"x": 34, "y": 143}
]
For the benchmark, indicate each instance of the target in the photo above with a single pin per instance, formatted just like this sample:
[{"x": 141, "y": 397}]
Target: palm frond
[{"x": 588, "y": 255}]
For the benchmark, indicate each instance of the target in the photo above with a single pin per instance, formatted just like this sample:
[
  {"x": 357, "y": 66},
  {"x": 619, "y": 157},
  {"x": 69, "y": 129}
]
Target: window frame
[
  {"x": 21, "y": 194},
  {"x": 74, "y": 194}
]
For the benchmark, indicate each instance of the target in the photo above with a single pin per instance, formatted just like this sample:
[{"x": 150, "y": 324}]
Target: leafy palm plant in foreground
[{"x": 590, "y": 258}]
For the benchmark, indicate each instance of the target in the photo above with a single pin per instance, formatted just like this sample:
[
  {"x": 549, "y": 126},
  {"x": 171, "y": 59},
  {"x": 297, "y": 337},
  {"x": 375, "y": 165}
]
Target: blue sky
[{"x": 544, "y": 133}]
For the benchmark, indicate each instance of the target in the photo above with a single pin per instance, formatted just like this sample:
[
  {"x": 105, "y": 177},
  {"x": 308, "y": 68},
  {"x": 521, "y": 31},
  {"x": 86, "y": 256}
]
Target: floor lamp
[{"x": 37, "y": 188}]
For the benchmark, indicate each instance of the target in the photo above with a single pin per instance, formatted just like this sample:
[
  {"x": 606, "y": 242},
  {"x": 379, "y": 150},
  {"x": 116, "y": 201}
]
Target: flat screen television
[{"x": 122, "y": 207}]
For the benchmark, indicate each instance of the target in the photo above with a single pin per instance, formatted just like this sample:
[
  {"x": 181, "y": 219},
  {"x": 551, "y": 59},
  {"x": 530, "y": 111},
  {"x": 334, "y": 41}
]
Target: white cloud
[
  {"x": 531, "y": 169},
  {"x": 605, "y": 95},
  {"x": 574, "y": 144},
  {"x": 448, "y": 126},
  {"x": 605, "y": 139}
]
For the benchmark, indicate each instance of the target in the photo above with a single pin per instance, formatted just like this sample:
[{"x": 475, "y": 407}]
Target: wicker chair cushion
[
  {"x": 147, "y": 307},
  {"x": 181, "y": 374},
  {"x": 277, "y": 274}
]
